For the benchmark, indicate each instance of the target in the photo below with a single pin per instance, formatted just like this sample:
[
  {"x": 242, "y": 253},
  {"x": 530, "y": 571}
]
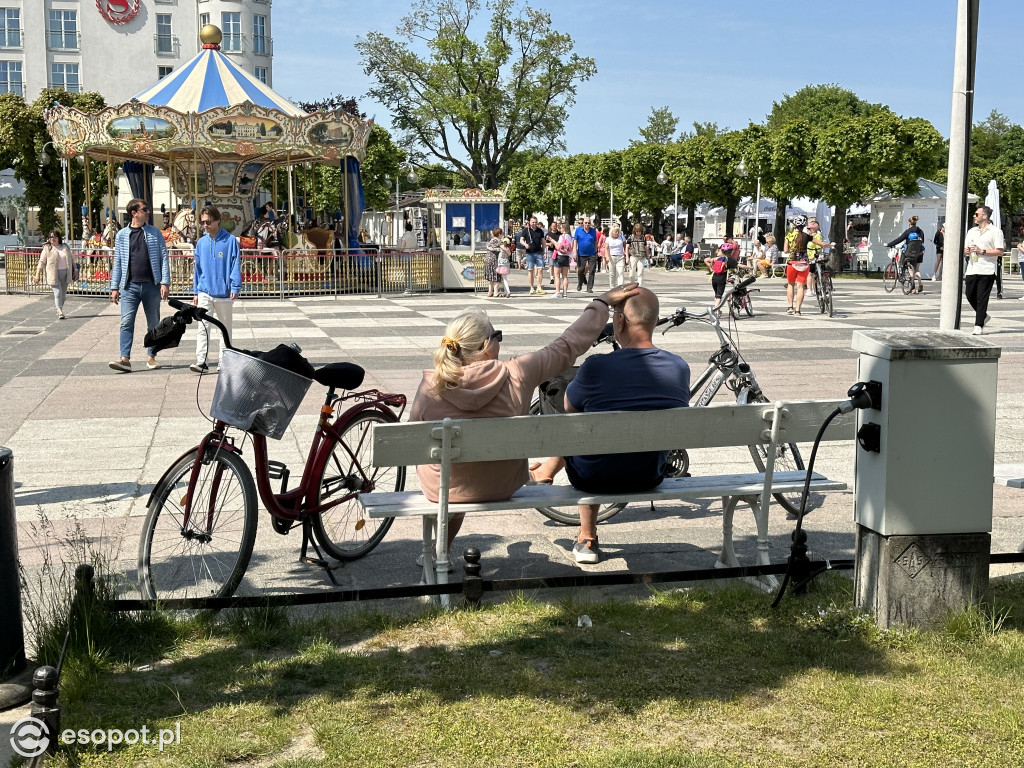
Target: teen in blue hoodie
[{"x": 217, "y": 280}]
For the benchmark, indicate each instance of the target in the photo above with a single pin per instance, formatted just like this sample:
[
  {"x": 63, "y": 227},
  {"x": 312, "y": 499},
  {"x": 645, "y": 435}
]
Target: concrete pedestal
[{"x": 918, "y": 580}]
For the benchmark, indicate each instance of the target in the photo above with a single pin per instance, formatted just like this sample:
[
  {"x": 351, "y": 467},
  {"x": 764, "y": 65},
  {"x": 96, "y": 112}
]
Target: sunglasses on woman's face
[{"x": 496, "y": 336}]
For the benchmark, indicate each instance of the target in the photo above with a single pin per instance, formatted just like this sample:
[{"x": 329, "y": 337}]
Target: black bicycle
[
  {"x": 823, "y": 286},
  {"x": 740, "y": 300},
  {"x": 898, "y": 271},
  {"x": 726, "y": 367}
]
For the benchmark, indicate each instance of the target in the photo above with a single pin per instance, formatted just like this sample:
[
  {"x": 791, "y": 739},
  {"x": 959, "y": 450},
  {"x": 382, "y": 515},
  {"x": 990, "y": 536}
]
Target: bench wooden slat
[
  {"x": 414, "y": 504},
  {"x": 524, "y": 437}
]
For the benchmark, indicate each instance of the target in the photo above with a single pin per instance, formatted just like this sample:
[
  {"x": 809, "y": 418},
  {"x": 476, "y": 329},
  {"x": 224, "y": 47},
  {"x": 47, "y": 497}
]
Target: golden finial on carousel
[{"x": 210, "y": 35}]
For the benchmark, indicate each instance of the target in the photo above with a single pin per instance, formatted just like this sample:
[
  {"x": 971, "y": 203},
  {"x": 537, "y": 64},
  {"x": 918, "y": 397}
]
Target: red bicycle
[{"x": 200, "y": 528}]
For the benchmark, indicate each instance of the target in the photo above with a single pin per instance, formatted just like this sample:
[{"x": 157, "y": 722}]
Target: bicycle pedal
[{"x": 276, "y": 470}]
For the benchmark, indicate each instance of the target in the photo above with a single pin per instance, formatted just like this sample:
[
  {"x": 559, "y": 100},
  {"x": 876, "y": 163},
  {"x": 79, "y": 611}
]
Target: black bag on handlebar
[
  {"x": 166, "y": 335},
  {"x": 552, "y": 391},
  {"x": 287, "y": 357}
]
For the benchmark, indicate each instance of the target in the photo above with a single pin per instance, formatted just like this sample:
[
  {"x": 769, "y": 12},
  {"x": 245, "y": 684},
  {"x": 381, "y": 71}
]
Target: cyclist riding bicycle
[{"x": 913, "y": 251}]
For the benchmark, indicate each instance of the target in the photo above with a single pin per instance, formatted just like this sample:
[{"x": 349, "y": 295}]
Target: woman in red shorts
[{"x": 798, "y": 268}]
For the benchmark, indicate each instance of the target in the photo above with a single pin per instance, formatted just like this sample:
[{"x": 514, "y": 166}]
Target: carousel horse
[
  {"x": 263, "y": 235},
  {"x": 182, "y": 232},
  {"x": 98, "y": 242}
]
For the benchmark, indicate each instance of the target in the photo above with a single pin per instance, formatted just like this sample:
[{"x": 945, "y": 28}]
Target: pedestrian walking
[
  {"x": 141, "y": 275},
  {"x": 216, "y": 281},
  {"x": 983, "y": 245},
  {"x": 585, "y": 251},
  {"x": 60, "y": 267}
]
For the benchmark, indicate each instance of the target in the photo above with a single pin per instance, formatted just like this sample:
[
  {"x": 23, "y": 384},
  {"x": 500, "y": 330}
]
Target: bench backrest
[{"x": 522, "y": 437}]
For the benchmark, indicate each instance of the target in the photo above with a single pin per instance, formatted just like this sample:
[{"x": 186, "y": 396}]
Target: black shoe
[
  {"x": 199, "y": 368},
  {"x": 999, "y": 295}
]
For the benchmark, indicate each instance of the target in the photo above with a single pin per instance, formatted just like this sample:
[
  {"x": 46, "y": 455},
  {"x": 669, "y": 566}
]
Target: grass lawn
[{"x": 679, "y": 678}]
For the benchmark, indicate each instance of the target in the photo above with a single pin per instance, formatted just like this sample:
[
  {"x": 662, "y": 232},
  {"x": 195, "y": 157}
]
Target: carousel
[{"x": 216, "y": 130}]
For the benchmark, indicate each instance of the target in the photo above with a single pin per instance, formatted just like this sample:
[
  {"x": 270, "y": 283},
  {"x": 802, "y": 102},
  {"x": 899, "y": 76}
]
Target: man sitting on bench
[{"x": 636, "y": 377}]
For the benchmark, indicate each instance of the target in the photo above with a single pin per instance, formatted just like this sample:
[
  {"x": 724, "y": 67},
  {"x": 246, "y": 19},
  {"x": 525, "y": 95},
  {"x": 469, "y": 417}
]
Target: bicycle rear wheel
[
  {"x": 748, "y": 305},
  {"x": 345, "y": 531},
  {"x": 829, "y": 305},
  {"x": 907, "y": 280},
  {"x": 889, "y": 277},
  {"x": 207, "y": 557},
  {"x": 787, "y": 456},
  {"x": 819, "y": 293}
]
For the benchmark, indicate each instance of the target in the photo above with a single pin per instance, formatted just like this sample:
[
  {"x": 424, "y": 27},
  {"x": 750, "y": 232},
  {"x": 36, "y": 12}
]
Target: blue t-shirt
[
  {"x": 646, "y": 379},
  {"x": 586, "y": 242}
]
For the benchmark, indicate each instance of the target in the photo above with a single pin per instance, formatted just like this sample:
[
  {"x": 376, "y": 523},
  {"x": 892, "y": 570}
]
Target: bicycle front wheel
[
  {"x": 787, "y": 456},
  {"x": 748, "y": 305},
  {"x": 828, "y": 297},
  {"x": 345, "y": 531},
  {"x": 889, "y": 277},
  {"x": 206, "y": 557},
  {"x": 819, "y": 293}
]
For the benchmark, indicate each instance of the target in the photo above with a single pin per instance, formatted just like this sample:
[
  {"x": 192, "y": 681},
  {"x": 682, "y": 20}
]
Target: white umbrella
[
  {"x": 823, "y": 213},
  {"x": 992, "y": 201}
]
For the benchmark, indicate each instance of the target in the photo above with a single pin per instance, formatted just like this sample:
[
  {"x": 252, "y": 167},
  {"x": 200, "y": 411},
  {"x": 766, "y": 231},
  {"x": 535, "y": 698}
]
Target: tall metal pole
[
  {"x": 398, "y": 226},
  {"x": 757, "y": 212},
  {"x": 964, "y": 60},
  {"x": 294, "y": 223},
  {"x": 611, "y": 206},
  {"x": 675, "y": 210}
]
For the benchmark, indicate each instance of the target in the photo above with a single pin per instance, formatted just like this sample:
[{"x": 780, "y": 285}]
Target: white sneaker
[
  {"x": 1021, "y": 298},
  {"x": 977, "y": 330},
  {"x": 934, "y": 278}
]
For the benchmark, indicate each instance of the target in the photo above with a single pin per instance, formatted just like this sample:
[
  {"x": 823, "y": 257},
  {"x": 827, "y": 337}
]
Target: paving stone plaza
[{"x": 90, "y": 443}]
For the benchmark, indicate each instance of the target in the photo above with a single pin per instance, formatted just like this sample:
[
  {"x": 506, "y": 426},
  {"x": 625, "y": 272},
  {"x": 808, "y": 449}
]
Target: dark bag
[
  {"x": 288, "y": 357},
  {"x": 552, "y": 391}
]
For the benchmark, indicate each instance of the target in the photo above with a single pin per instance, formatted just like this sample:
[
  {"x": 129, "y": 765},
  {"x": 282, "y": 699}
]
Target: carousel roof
[{"x": 209, "y": 80}]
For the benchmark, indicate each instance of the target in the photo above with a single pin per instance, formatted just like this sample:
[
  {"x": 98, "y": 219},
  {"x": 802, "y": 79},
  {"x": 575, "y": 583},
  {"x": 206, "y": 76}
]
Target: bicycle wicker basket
[{"x": 256, "y": 396}]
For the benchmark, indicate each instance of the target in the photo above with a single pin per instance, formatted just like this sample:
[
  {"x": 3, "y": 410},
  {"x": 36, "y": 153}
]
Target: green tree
[
  {"x": 23, "y": 139},
  {"x": 818, "y": 106},
  {"x": 474, "y": 104},
  {"x": 661, "y": 126}
]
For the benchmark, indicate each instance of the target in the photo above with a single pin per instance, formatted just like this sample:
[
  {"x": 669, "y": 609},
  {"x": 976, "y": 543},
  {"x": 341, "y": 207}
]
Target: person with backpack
[
  {"x": 798, "y": 267},
  {"x": 913, "y": 253},
  {"x": 721, "y": 265},
  {"x": 562, "y": 256}
]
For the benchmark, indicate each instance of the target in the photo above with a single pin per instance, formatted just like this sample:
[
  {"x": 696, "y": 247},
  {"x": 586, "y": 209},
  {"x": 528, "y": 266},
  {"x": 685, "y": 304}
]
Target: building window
[
  {"x": 65, "y": 76},
  {"x": 64, "y": 29},
  {"x": 10, "y": 78},
  {"x": 261, "y": 74},
  {"x": 204, "y": 19},
  {"x": 231, "y": 27},
  {"x": 10, "y": 28},
  {"x": 162, "y": 72},
  {"x": 259, "y": 34},
  {"x": 163, "y": 33}
]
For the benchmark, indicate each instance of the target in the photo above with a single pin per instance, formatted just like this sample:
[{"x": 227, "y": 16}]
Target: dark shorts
[
  {"x": 562, "y": 259},
  {"x": 632, "y": 483}
]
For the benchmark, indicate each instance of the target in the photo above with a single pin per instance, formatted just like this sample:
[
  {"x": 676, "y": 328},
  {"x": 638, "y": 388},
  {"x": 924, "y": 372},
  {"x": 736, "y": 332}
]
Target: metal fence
[{"x": 265, "y": 273}]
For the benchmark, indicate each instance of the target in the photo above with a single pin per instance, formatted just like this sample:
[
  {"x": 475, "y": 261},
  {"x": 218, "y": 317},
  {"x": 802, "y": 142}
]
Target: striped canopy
[{"x": 212, "y": 80}]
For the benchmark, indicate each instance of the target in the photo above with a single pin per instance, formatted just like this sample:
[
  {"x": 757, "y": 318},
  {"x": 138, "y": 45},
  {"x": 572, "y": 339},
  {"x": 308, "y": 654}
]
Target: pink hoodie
[{"x": 493, "y": 388}]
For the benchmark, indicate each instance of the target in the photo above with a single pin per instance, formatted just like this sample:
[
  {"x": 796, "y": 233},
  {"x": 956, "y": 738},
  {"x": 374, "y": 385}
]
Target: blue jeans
[{"x": 148, "y": 294}]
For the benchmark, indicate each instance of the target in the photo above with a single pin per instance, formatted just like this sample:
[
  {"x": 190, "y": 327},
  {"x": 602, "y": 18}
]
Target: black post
[
  {"x": 472, "y": 585},
  {"x": 12, "y": 635},
  {"x": 44, "y": 704},
  {"x": 800, "y": 566}
]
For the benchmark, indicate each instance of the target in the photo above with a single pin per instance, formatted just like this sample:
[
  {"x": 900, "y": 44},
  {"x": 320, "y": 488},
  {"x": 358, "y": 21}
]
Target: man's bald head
[{"x": 642, "y": 309}]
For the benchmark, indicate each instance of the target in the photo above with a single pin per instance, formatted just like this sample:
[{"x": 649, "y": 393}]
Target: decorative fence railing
[{"x": 267, "y": 273}]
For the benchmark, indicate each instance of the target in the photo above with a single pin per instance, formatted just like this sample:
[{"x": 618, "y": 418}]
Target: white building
[{"x": 119, "y": 47}]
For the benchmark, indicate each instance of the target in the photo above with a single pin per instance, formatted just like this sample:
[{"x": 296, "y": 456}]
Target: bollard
[
  {"x": 472, "y": 586},
  {"x": 44, "y": 704},
  {"x": 12, "y": 635}
]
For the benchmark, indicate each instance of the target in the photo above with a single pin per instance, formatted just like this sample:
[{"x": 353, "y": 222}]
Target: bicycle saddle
[{"x": 340, "y": 375}]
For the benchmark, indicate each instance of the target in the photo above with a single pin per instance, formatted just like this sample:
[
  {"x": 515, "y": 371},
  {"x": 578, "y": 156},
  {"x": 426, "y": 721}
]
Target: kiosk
[{"x": 460, "y": 223}]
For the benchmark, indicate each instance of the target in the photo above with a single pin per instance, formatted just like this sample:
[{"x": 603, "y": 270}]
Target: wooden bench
[{"x": 453, "y": 441}]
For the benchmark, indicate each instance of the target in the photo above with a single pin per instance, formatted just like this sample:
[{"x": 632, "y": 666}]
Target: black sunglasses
[{"x": 496, "y": 336}]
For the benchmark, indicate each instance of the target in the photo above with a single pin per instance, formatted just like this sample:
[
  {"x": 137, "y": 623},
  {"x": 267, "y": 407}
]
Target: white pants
[
  {"x": 221, "y": 308},
  {"x": 638, "y": 270},
  {"x": 616, "y": 272}
]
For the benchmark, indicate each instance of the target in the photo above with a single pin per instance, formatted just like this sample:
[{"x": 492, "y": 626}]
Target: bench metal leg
[{"x": 728, "y": 557}]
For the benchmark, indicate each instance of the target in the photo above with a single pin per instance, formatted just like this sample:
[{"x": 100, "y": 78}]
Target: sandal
[
  {"x": 539, "y": 480},
  {"x": 797, "y": 312},
  {"x": 791, "y": 311}
]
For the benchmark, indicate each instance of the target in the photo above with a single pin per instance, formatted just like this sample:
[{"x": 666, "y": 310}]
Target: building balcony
[
  {"x": 10, "y": 39},
  {"x": 167, "y": 45},
  {"x": 263, "y": 46},
  {"x": 64, "y": 41}
]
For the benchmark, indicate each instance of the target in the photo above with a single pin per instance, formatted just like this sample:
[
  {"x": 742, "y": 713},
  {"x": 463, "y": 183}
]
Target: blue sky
[{"x": 707, "y": 62}]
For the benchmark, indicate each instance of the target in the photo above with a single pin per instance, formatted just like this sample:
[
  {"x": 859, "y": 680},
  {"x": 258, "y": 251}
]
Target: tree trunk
[
  {"x": 780, "y": 220},
  {"x": 838, "y": 236},
  {"x": 730, "y": 217},
  {"x": 691, "y": 220}
]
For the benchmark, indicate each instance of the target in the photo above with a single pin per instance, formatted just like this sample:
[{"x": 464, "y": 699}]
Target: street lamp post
[
  {"x": 663, "y": 180},
  {"x": 44, "y": 159},
  {"x": 741, "y": 170}
]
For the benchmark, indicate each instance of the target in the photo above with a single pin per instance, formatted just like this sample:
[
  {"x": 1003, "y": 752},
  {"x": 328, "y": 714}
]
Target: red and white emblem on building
[{"x": 118, "y": 11}]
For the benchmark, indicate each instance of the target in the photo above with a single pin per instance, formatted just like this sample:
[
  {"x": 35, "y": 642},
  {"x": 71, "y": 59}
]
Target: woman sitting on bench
[{"x": 468, "y": 381}]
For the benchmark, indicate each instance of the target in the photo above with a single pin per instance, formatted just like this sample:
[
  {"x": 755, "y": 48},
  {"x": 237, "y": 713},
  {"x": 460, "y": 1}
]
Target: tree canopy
[
  {"x": 661, "y": 126},
  {"x": 472, "y": 104}
]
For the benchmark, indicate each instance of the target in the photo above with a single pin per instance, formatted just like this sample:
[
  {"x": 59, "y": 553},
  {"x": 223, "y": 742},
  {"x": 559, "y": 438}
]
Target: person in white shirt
[
  {"x": 408, "y": 242},
  {"x": 984, "y": 245}
]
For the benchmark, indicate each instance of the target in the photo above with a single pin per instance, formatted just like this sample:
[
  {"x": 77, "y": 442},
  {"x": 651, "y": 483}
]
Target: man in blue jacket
[
  {"x": 217, "y": 280},
  {"x": 141, "y": 275}
]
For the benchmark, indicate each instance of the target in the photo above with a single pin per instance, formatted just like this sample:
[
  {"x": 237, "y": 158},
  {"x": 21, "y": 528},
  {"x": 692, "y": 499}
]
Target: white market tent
[{"x": 889, "y": 215}]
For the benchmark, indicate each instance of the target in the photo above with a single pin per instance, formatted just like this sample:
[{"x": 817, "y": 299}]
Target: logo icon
[
  {"x": 118, "y": 11},
  {"x": 28, "y": 737}
]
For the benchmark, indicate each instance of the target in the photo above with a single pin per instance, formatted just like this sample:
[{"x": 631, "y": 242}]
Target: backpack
[
  {"x": 720, "y": 265},
  {"x": 564, "y": 246}
]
